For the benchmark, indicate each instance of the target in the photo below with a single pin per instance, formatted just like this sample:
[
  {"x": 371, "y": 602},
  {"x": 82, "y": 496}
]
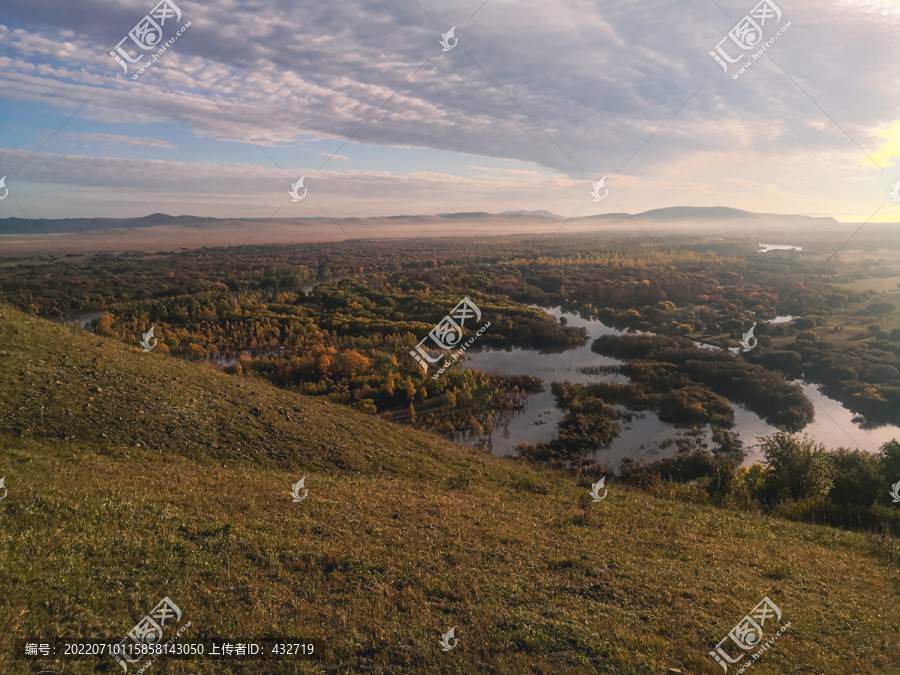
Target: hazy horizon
[{"x": 535, "y": 213}]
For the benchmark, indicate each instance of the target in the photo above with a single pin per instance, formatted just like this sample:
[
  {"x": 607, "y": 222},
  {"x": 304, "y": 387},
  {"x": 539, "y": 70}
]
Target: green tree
[
  {"x": 724, "y": 479},
  {"x": 756, "y": 481},
  {"x": 800, "y": 466},
  {"x": 889, "y": 459},
  {"x": 857, "y": 479}
]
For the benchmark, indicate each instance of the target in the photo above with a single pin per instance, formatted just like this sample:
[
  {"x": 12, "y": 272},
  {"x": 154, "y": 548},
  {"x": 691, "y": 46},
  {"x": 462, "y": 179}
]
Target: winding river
[{"x": 643, "y": 432}]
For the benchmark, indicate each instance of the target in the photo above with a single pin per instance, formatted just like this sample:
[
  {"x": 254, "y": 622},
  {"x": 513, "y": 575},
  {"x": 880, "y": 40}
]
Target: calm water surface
[
  {"x": 642, "y": 435},
  {"x": 765, "y": 248},
  {"x": 83, "y": 319}
]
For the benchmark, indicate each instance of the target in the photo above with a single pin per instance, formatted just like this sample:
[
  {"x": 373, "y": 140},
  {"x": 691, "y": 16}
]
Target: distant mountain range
[
  {"x": 700, "y": 215},
  {"x": 695, "y": 215}
]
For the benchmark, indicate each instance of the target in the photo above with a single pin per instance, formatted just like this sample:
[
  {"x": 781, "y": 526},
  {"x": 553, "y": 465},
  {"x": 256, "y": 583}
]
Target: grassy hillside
[{"x": 132, "y": 476}]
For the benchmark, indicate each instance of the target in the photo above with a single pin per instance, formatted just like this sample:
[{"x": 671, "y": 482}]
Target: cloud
[
  {"x": 573, "y": 88},
  {"x": 245, "y": 190},
  {"x": 123, "y": 140}
]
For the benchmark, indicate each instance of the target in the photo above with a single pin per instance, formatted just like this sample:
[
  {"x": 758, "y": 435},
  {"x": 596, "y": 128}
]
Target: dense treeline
[
  {"x": 251, "y": 308},
  {"x": 863, "y": 375},
  {"x": 664, "y": 364},
  {"x": 800, "y": 478},
  {"x": 348, "y": 340}
]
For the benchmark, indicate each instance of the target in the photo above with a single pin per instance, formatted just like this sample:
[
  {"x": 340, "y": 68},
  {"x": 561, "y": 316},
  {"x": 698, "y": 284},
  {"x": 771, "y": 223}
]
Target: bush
[
  {"x": 682, "y": 467},
  {"x": 880, "y": 308},
  {"x": 840, "y": 374},
  {"x": 819, "y": 511},
  {"x": 724, "y": 480},
  {"x": 367, "y": 405},
  {"x": 784, "y": 361}
]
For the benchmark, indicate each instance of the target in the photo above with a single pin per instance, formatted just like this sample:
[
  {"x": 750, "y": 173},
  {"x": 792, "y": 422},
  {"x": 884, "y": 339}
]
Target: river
[{"x": 643, "y": 433}]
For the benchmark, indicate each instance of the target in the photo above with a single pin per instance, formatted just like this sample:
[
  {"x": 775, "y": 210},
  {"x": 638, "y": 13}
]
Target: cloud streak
[{"x": 300, "y": 78}]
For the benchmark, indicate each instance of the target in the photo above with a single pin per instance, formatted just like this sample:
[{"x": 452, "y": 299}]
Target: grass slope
[{"x": 143, "y": 476}]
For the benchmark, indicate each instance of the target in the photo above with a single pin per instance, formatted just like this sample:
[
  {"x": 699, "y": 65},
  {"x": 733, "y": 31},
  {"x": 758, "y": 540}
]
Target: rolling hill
[{"x": 132, "y": 476}]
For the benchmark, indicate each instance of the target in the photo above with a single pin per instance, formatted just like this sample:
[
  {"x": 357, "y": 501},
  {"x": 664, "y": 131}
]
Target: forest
[{"x": 340, "y": 320}]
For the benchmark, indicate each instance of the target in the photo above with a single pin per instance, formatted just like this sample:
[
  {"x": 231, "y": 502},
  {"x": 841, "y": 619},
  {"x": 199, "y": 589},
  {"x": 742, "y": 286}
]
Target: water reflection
[
  {"x": 643, "y": 432},
  {"x": 83, "y": 319},
  {"x": 765, "y": 248}
]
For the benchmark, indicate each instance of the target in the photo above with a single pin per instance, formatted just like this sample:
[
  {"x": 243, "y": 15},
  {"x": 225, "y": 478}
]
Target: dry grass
[{"x": 401, "y": 537}]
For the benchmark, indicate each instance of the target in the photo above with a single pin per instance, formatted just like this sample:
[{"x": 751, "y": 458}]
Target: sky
[{"x": 525, "y": 107}]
